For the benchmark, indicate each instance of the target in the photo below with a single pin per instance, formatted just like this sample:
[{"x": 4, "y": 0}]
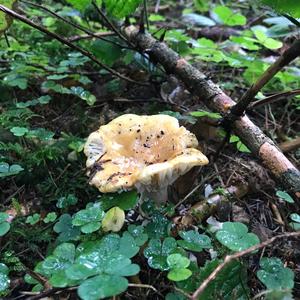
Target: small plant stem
[
  {"x": 289, "y": 55},
  {"x": 144, "y": 286},
  {"x": 69, "y": 44},
  {"x": 237, "y": 255}
]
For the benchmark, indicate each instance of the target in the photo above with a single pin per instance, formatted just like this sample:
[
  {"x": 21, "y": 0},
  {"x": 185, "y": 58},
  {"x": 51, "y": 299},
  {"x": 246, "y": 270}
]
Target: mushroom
[{"x": 145, "y": 152}]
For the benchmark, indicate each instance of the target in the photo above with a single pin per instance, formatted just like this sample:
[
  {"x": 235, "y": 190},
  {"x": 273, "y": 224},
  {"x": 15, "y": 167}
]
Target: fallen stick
[
  {"x": 237, "y": 255},
  {"x": 290, "y": 145},
  {"x": 215, "y": 99}
]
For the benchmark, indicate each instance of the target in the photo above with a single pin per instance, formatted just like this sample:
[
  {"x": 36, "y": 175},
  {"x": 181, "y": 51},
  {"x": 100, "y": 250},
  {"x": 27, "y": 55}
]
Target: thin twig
[
  {"x": 69, "y": 44},
  {"x": 230, "y": 258},
  {"x": 79, "y": 27},
  {"x": 109, "y": 23},
  {"x": 289, "y": 55},
  {"x": 144, "y": 286},
  {"x": 76, "y": 38},
  {"x": 273, "y": 98}
]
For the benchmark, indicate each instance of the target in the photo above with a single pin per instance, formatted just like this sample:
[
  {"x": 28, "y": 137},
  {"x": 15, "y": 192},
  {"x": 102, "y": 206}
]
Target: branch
[
  {"x": 289, "y": 55},
  {"x": 69, "y": 44},
  {"x": 215, "y": 99},
  {"x": 90, "y": 34},
  {"x": 76, "y": 38},
  {"x": 229, "y": 258},
  {"x": 273, "y": 98}
]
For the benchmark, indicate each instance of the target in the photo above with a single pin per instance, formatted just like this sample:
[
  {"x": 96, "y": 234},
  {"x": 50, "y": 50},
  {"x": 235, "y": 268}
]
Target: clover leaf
[
  {"x": 4, "y": 279},
  {"x": 235, "y": 236},
  {"x": 274, "y": 275},
  {"x": 125, "y": 200},
  {"x": 178, "y": 267},
  {"x": 67, "y": 231},
  {"x": 138, "y": 234},
  {"x": 158, "y": 227},
  {"x": 102, "y": 286},
  {"x": 157, "y": 252},
  {"x": 66, "y": 201},
  {"x": 4, "y": 225},
  {"x": 51, "y": 217},
  {"x": 89, "y": 219},
  {"x": 7, "y": 170},
  {"x": 33, "y": 219},
  {"x": 194, "y": 241}
]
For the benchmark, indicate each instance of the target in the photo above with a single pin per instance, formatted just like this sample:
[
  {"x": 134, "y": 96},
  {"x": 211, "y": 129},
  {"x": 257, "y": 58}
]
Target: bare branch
[
  {"x": 273, "y": 98},
  {"x": 90, "y": 34},
  {"x": 229, "y": 258},
  {"x": 289, "y": 55},
  {"x": 69, "y": 44}
]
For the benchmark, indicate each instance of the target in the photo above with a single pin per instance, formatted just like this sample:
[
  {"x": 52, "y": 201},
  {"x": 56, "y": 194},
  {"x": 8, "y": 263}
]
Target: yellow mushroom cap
[{"x": 146, "y": 152}]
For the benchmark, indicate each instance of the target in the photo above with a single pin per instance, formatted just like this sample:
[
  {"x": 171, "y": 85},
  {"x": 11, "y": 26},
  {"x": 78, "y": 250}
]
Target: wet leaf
[
  {"x": 274, "y": 275},
  {"x": 285, "y": 196},
  {"x": 157, "y": 252},
  {"x": 194, "y": 241},
  {"x": 124, "y": 200},
  {"x": 102, "y": 286},
  {"x": 65, "y": 228},
  {"x": 4, "y": 279},
  {"x": 235, "y": 236},
  {"x": 138, "y": 234}
]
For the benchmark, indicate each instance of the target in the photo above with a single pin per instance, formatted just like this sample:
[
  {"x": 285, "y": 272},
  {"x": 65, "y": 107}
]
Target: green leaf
[
  {"x": 102, "y": 286},
  {"x": 285, "y": 196},
  {"x": 203, "y": 113},
  {"x": 157, "y": 252},
  {"x": 4, "y": 228},
  {"x": 177, "y": 261},
  {"x": 201, "y": 5},
  {"x": 228, "y": 17},
  {"x": 113, "y": 220},
  {"x": 41, "y": 100},
  {"x": 179, "y": 274},
  {"x": 82, "y": 4},
  {"x": 83, "y": 94},
  {"x": 194, "y": 241},
  {"x": 89, "y": 218},
  {"x": 51, "y": 217},
  {"x": 137, "y": 232},
  {"x": 19, "y": 131},
  {"x": 66, "y": 201},
  {"x": 235, "y": 236},
  {"x": 124, "y": 200},
  {"x": 106, "y": 51},
  {"x": 295, "y": 217},
  {"x": 33, "y": 219},
  {"x": 40, "y": 133},
  {"x": 274, "y": 275},
  {"x": 158, "y": 227},
  {"x": 291, "y": 7},
  {"x": 6, "y": 170},
  {"x": 65, "y": 228},
  {"x": 121, "y": 8},
  {"x": 266, "y": 41},
  {"x": 5, "y": 20},
  {"x": 4, "y": 279}
]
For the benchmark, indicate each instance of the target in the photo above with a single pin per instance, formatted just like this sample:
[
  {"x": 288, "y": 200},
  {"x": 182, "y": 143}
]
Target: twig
[
  {"x": 290, "y": 145},
  {"x": 109, "y": 23},
  {"x": 230, "y": 258},
  {"x": 76, "y": 38},
  {"x": 273, "y": 98},
  {"x": 289, "y": 55},
  {"x": 88, "y": 32},
  {"x": 144, "y": 286},
  {"x": 69, "y": 44}
]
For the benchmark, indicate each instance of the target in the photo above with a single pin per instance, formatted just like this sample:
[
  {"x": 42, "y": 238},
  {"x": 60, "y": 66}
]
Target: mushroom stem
[{"x": 159, "y": 197}]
